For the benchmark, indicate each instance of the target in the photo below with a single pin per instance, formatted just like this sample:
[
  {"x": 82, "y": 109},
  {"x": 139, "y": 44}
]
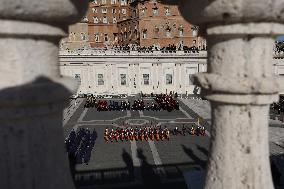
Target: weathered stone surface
[
  {"x": 32, "y": 93},
  {"x": 237, "y": 11},
  {"x": 240, "y": 86},
  {"x": 49, "y": 11}
]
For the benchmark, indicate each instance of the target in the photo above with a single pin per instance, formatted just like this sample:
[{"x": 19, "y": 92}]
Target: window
[
  {"x": 146, "y": 79},
  {"x": 115, "y": 37},
  {"x": 190, "y": 79},
  {"x": 105, "y": 20},
  {"x": 169, "y": 79},
  {"x": 83, "y": 36},
  {"x": 113, "y": 11},
  {"x": 106, "y": 37},
  {"x": 103, "y": 1},
  {"x": 100, "y": 79},
  {"x": 113, "y": 2},
  {"x": 167, "y": 11},
  {"x": 123, "y": 2},
  {"x": 96, "y": 20},
  {"x": 142, "y": 12},
  {"x": 95, "y": 10},
  {"x": 114, "y": 20},
  {"x": 123, "y": 11},
  {"x": 123, "y": 79},
  {"x": 125, "y": 35},
  {"x": 168, "y": 33},
  {"x": 180, "y": 31},
  {"x": 97, "y": 38},
  {"x": 78, "y": 78},
  {"x": 85, "y": 19},
  {"x": 156, "y": 30},
  {"x": 155, "y": 11},
  {"x": 104, "y": 10},
  {"x": 95, "y": 1},
  {"x": 144, "y": 34},
  {"x": 194, "y": 31}
]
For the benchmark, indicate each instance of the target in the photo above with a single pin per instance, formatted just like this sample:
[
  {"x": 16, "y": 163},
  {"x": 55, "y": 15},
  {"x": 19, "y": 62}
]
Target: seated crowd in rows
[
  {"x": 162, "y": 102},
  {"x": 79, "y": 145}
]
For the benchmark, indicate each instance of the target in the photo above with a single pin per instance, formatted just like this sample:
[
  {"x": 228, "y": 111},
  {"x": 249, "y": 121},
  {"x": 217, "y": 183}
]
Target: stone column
[
  {"x": 32, "y": 93},
  {"x": 240, "y": 85}
]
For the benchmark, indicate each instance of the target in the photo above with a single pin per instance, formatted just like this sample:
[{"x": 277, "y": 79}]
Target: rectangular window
[
  {"x": 113, "y": 11},
  {"x": 83, "y": 36},
  {"x": 113, "y": 2},
  {"x": 155, "y": 11},
  {"x": 97, "y": 38},
  {"x": 167, "y": 11},
  {"x": 169, "y": 79},
  {"x": 103, "y": 2},
  {"x": 105, "y": 20},
  {"x": 142, "y": 12},
  {"x": 144, "y": 34},
  {"x": 104, "y": 10},
  {"x": 168, "y": 33},
  {"x": 146, "y": 79},
  {"x": 122, "y": 79},
  {"x": 114, "y": 20},
  {"x": 123, "y": 2},
  {"x": 100, "y": 79},
  {"x": 95, "y": 10},
  {"x": 190, "y": 79},
  {"x": 96, "y": 20},
  {"x": 106, "y": 37},
  {"x": 123, "y": 11}
]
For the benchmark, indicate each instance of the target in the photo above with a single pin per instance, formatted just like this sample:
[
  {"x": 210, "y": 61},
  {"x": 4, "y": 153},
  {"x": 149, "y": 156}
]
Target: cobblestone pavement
[{"x": 146, "y": 164}]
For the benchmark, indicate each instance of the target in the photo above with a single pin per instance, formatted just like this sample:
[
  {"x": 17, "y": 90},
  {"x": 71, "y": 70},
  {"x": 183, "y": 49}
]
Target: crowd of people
[
  {"x": 170, "y": 47},
  {"x": 154, "y": 133},
  {"x": 162, "y": 102},
  {"x": 167, "y": 102},
  {"x": 79, "y": 145},
  {"x": 278, "y": 107}
]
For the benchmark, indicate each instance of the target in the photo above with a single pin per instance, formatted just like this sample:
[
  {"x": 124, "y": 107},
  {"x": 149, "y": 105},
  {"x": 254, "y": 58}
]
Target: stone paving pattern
[{"x": 180, "y": 154}]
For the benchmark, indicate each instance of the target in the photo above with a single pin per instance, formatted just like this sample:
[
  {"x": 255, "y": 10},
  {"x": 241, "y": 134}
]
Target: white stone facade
[
  {"x": 104, "y": 72},
  {"x": 100, "y": 71}
]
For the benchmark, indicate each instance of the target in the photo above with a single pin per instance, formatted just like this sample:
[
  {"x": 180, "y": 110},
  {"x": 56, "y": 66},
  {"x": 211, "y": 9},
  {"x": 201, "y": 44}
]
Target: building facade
[
  {"x": 153, "y": 23},
  {"x": 120, "y": 22},
  {"x": 78, "y": 37},
  {"x": 109, "y": 72}
]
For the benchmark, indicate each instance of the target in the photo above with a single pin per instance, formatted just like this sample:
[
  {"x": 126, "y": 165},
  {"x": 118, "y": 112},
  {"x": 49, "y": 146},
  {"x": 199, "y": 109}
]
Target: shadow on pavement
[
  {"x": 195, "y": 158},
  {"x": 277, "y": 170},
  {"x": 150, "y": 179}
]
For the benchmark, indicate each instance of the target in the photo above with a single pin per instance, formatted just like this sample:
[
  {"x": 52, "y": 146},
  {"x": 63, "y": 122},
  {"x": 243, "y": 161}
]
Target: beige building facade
[{"x": 109, "y": 72}]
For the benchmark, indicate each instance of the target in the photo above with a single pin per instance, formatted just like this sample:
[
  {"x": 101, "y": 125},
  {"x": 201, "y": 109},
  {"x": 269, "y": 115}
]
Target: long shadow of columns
[
  {"x": 195, "y": 158},
  {"x": 150, "y": 179},
  {"x": 129, "y": 163}
]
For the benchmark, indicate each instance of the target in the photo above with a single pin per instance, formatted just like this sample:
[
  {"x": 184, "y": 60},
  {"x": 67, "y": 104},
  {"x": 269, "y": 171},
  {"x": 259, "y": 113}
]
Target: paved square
[{"x": 140, "y": 162}]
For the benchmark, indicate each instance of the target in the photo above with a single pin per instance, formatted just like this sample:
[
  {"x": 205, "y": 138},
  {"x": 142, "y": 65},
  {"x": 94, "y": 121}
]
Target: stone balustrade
[
  {"x": 240, "y": 85},
  {"x": 32, "y": 92},
  {"x": 240, "y": 37}
]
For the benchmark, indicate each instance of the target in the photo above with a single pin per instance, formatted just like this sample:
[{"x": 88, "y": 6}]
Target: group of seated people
[
  {"x": 79, "y": 145},
  {"x": 167, "y": 102}
]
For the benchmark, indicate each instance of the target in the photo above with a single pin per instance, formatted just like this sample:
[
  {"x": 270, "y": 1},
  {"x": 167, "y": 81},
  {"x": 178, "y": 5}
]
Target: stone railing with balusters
[{"x": 32, "y": 93}]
